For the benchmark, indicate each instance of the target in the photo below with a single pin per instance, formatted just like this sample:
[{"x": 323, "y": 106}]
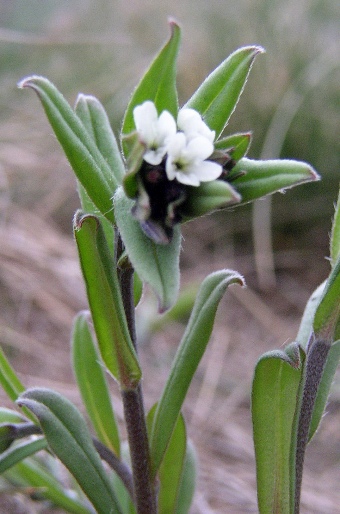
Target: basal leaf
[
  {"x": 87, "y": 161},
  {"x": 261, "y": 178},
  {"x": 158, "y": 84},
  {"x": 105, "y": 301},
  {"x": 92, "y": 384},
  {"x": 187, "y": 358},
  {"x": 217, "y": 97},
  {"x": 158, "y": 265},
  {"x": 67, "y": 435}
]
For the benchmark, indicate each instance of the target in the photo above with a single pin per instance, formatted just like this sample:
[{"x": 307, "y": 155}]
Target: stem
[
  {"x": 116, "y": 464},
  {"x": 143, "y": 485},
  {"x": 144, "y": 491},
  {"x": 316, "y": 359}
]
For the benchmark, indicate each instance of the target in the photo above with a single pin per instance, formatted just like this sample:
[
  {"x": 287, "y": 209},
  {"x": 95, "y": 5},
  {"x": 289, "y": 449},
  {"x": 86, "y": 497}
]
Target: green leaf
[
  {"x": 209, "y": 197},
  {"x": 67, "y": 435},
  {"x": 275, "y": 393},
  {"x": 328, "y": 312},
  {"x": 324, "y": 387},
  {"x": 237, "y": 145},
  {"x": 306, "y": 325},
  {"x": 171, "y": 469},
  {"x": 188, "y": 482},
  {"x": 9, "y": 379},
  {"x": 335, "y": 236},
  {"x": 105, "y": 301},
  {"x": 94, "y": 118},
  {"x": 10, "y": 416},
  {"x": 217, "y": 97},
  {"x": 31, "y": 474},
  {"x": 158, "y": 84},
  {"x": 262, "y": 178},
  {"x": 11, "y": 382},
  {"x": 92, "y": 384},
  {"x": 158, "y": 265},
  {"x": 87, "y": 161},
  {"x": 187, "y": 358},
  {"x": 19, "y": 452}
]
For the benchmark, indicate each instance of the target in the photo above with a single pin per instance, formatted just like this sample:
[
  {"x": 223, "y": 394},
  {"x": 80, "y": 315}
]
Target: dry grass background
[{"x": 40, "y": 282}]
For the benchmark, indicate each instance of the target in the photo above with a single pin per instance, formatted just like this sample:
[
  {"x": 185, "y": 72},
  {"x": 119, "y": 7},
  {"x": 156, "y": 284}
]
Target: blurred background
[{"x": 292, "y": 105}]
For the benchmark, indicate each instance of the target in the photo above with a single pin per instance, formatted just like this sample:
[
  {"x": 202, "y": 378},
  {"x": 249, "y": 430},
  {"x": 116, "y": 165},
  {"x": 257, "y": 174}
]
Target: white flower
[
  {"x": 191, "y": 123},
  {"x": 186, "y": 160},
  {"x": 153, "y": 131}
]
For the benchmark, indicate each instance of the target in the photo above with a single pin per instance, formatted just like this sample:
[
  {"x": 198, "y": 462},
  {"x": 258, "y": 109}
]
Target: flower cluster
[
  {"x": 184, "y": 147},
  {"x": 178, "y": 158}
]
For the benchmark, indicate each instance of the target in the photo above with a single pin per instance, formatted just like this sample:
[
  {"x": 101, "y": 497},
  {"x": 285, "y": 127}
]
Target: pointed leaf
[
  {"x": 94, "y": 118},
  {"x": 262, "y": 178},
  {"x": 67, "y": 435},
  {"x": 19, "y": 452},
  {"x": 105, "y": 301},
  {"x": 158, "y": 265},
  {"x": 92, "y": 384},
  {"x": 335, "y": 236},
  {"x": 274, "y": 400},
  {"x": 217, "y": 97},
  {"x": 89, "y": 165},
  {"x": 187, "y": 358},
  {"x": 158, "y": 84},
  {"x": 237, "y": 145},
  {"x": 328, "y": 312}
]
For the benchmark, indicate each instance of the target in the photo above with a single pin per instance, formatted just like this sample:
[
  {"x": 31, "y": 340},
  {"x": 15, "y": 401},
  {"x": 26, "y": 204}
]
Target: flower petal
[
  {"x": 192, "y": 124},
  {"x": 145, "y": 117},
  {"x": 200, "y": 148},
  {"x": 188, "y": 179},
  {"x": 166, "y": 126},
  {"x": 208, "y": 171}
]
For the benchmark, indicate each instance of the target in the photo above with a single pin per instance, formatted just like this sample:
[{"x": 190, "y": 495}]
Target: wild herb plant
[{"x": 172, "y": 165}]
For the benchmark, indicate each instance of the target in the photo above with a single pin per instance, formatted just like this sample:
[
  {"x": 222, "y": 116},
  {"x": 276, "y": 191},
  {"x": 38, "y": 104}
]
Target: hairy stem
[
  {"x": 143, "y": 485},
  {"x": 316, "y": 359},
  {"x": 144, "y": 491}
]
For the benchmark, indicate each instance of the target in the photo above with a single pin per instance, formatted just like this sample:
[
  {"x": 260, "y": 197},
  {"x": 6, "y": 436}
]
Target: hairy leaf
[
  {"x": 67, "y": 435},
  {"x": 217, "y": 97},
  {"x": 158, "y": 265},
  {"x": 187, "y": 358},
  {"x": 92, "y": 384}
]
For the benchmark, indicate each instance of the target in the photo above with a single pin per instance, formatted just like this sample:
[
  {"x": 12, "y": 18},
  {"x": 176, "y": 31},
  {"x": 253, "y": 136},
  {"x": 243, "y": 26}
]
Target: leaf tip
[{"x": 29, "y": 81}]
